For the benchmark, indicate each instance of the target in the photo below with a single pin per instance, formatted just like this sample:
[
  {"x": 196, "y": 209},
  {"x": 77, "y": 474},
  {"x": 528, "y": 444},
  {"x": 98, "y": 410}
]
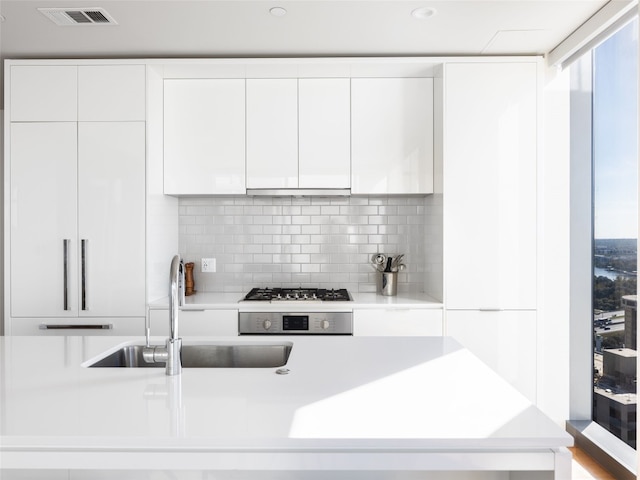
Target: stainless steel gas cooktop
[
  {"x": 288, "y": 320},
  {"x": 298, "y": 294}
]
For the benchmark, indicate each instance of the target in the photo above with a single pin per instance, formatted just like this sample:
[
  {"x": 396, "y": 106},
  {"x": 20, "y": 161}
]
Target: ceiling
[
  {"x": 177, "y": 28},
  {"x": 226, "y": 28}
]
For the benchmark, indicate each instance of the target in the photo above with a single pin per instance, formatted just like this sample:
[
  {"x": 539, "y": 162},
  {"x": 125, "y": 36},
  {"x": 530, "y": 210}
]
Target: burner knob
[
  {"x": 325, "y": 324},
  {"x": 266, "y": 324}
]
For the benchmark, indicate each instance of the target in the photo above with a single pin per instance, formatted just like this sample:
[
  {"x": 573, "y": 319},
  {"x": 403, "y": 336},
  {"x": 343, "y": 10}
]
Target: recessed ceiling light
[
  {"x": 423, "y": 12},
  {"x": 278, "y": 12}
]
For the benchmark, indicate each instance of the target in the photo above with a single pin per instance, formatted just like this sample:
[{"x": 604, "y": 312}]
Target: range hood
[{"x": 299, "y": 192}]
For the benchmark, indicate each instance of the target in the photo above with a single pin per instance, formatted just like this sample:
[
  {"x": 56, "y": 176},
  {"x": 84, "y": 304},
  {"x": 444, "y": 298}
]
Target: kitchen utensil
[
  {"x": 379, "y": 259},
  {"x": 396, "y": 261},
  {"x": 389, "y": 262}
]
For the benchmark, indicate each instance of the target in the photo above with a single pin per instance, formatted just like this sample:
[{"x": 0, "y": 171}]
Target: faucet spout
[
  {"x": 172, "y": 351},
  {"x": 174, "y": 342},
  {"x": 176, "y": 281}
]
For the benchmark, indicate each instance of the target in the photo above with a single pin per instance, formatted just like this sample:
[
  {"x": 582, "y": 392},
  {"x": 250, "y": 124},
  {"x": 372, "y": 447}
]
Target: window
[{"x": 614, "y": 65}]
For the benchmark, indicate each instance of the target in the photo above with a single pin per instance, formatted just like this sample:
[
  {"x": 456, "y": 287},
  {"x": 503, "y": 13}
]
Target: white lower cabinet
[
  {"x": 397, "y": 322},
  {"x": 196, "y": 323},
  {"x": 84, "y": 326},
  {"x": 505, "y": 340}
]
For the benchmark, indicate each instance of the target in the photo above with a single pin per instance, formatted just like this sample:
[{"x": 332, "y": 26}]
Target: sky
[{"x": 615, "y": 135}]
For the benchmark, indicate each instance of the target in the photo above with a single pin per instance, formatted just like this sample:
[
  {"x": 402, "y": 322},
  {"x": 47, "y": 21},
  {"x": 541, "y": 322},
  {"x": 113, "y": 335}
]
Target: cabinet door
[
  {"x": 490, "y": 186},
  {"x": 391, "y": 135},
  {"x": 397, "y": 322},
  {"x": 111, "y": 192},
  {"x": 43, "y": 219},
  {"x": 204, "y": 137},
  {"x": 324, "y": 129},
  {"x": 272, "y": 133},
  {"x": 506, "y": 341},
  {"x": 196, "y": 323},
  {"x": 44, "y": 93},
  {"x": 111, "y": 92}
]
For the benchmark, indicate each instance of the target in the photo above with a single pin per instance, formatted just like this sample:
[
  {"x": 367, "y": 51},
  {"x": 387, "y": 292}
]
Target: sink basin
[{"x": 206, "y": 356}]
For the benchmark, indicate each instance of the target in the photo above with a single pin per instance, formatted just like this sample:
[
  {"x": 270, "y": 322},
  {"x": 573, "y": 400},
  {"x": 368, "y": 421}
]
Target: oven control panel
[{"x": 309, "y": 323}]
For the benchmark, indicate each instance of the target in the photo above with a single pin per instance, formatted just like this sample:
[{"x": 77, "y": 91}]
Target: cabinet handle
[
  {"x": 83, "y": 254},
  {"x": 65, "y": 273},
  {"x": 105, "y": 326}
]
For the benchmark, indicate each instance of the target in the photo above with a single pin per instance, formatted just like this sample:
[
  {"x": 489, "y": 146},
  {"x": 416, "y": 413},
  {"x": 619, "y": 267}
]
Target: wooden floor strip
[{"x": 586, "y": 468}]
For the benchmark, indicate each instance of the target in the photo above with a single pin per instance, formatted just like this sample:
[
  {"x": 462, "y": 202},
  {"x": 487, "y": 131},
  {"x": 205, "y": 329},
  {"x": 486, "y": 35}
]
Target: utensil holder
[{"x": 388, "y": 283}]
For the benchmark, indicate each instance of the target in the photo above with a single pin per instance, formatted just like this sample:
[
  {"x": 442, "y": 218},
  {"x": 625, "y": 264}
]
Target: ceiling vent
[{"x": 66, "y": 17}]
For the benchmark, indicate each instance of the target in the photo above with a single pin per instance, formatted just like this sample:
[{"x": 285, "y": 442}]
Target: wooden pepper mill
[{"x": 188, "y": 279}]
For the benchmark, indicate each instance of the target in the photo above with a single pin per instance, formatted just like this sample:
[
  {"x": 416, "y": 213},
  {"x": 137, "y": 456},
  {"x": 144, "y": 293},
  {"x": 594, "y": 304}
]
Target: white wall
[
  {"x": 581, "y": 358},
  {"x": 553, "y": 247},
  {"x": 162, "y": 210},
  {"x": 1, "y": 220}
]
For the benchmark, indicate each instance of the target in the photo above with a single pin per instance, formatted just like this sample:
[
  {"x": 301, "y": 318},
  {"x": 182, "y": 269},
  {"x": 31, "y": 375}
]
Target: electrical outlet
[{"x": 208, "y": 265}]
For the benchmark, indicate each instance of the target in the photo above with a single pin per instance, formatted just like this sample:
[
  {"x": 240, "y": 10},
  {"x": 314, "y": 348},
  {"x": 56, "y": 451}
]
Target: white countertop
[
  {"x": 224, "y": 301},
  {"x": 346, "y": 393}
]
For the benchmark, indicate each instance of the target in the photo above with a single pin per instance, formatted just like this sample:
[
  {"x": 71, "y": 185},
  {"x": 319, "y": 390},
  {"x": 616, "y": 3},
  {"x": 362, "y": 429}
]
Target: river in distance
[{"x": 611, "y": 274}]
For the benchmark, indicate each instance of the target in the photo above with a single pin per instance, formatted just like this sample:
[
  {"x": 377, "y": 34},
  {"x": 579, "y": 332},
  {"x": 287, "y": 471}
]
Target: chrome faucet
[{"x": 171, "y": 352}]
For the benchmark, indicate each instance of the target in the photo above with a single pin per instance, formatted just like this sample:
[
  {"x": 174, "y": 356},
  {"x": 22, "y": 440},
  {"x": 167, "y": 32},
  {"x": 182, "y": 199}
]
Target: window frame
[{"x": 613, "y": 453}]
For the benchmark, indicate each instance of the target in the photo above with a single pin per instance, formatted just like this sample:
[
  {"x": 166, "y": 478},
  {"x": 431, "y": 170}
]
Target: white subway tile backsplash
[
  {"x": 291, "y": 248},
  {"x": 308, "y": 241}
]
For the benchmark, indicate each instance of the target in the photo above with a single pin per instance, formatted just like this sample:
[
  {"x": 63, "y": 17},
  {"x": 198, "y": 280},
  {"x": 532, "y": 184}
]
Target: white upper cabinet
[
  {"x": 298, "y": 133},
  {"x": 111, "y": 92},
  {"x": 490, "y": 151},
  {"x": 272, "y": 133},
  {"x": 204, "y": 136},
  {"x": 391, "y": 135},
  {"x": 46, "y": 93},
  {"x": 325, "y": 133}
]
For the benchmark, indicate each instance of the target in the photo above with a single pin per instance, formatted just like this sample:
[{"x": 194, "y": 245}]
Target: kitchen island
[{"x": 347, "y": 408}]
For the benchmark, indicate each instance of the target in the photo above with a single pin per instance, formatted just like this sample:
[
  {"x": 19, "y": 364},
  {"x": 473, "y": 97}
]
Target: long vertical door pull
[
  {"x": 65, "y": 273},
  {"x": 83, "y": 253}
]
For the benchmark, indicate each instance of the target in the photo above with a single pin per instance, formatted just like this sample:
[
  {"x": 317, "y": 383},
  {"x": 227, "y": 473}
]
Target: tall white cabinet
[
  {"x": 76, "y": 216},
  {"x": 490, "y": 151},
  {"x": 490, "y": 217}
]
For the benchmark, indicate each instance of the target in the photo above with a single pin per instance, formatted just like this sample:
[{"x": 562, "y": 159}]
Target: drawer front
[
  {"x": 397, "y": 322},
  {"x": 196, "y": 323},
  {"x": 76, "y": 326}
]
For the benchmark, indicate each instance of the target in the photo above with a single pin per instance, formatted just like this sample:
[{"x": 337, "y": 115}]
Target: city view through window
[{"x": 615, "y": 222}]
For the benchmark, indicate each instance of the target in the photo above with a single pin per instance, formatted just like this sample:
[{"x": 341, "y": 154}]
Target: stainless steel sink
[{"x": 207, "y": 356}]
